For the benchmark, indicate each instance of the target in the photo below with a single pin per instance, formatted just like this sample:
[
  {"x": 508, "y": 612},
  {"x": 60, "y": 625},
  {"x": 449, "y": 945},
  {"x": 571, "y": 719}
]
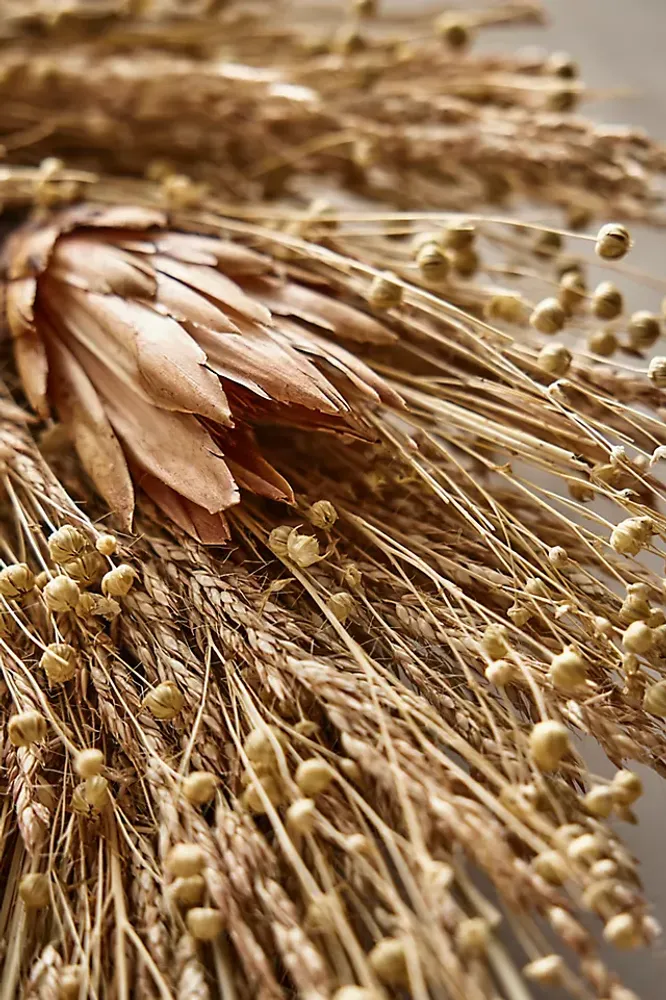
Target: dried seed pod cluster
[
  {"x": 294, "y": 739},
  {"x": 81, "y": 568}
]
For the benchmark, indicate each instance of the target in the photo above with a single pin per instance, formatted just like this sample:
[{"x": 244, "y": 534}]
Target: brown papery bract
[{"x": 337, "y": 754}]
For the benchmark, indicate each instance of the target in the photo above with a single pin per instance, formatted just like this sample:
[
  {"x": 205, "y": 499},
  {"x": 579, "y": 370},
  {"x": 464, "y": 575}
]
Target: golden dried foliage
[{"x": 277, "y": 768}]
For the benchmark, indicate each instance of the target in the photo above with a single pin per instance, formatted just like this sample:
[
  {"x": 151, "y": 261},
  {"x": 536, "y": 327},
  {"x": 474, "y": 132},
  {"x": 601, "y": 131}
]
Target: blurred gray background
[{"x": 621, "y": 47}]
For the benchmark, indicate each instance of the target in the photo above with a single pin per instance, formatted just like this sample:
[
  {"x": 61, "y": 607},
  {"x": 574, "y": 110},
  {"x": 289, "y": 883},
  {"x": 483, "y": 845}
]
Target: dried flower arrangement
[{"x": 319, "y": 552}]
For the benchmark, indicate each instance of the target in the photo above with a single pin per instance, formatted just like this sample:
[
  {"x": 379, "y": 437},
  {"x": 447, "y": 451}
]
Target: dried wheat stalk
[
  {"x": 400, "y": 117},
  {"x": 277, "y": 768}
]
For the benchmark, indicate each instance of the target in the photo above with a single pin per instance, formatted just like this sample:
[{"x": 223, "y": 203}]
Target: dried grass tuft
[{"x": 341, "y": 756}]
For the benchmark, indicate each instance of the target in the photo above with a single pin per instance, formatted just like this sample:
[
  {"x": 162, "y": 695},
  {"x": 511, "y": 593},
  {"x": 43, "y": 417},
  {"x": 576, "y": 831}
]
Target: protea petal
[
  {"x": 102, "y": 267},
  {"x": 248, "y": 466},
  {"x": 160, "y": 349},
  {"x": 207, "y": 528},
  {"x": 174, "y": 447},
  {"x": 231, "y": 258},
  {"x": 349, "y": 372},
  {"x": 321, "y": 311},
  {"x": 29, "y": 350},
  {"x": 278, "y": 373},
  {"x": 216, "y": 286},
  {"x": 186, "y": 306},
  {"x": 152, "y": 353},
  {"x": 84, "y": 415}
]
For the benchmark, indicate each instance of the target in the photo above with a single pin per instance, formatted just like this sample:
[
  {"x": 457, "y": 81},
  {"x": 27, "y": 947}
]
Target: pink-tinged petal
[
  {"x": 29, "y": 350},
  {"x": 251, "y": 409},
  {"x": 216, "y": 286},
  {"x": 78, "y": 318},
  {"x": 174, "y": 447},
  {"x": 290, "y": 299},
  {"x": 172, "y": 365},
  {"x": 278, "y": 371},
  {"x": 152, "y": 354},
  {"x": 248, "y": 466},
  {"x": 83, "y": 414},
  {"x": 209, "y": 529},
  {"x": 185, "y": 305},
  {"x": 28, "y": 250},
  {"x": 232, "y": 258},
  {"x": 102, "y": 267},
  {"x": 346, "y": 364}
]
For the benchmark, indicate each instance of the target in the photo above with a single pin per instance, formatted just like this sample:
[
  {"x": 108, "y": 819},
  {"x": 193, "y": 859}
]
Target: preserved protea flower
[{"x": 160, "y": 349}]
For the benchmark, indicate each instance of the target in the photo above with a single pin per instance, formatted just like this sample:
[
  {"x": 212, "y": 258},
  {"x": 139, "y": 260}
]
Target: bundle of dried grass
[
  {"x": 339, "y": 756},
  {"x": 405, "y": 116}
]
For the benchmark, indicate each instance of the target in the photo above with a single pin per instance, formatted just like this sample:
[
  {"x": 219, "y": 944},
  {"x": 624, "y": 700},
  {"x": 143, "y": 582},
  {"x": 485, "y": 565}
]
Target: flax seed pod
[
  {"x": 472, "y": 937},
  {"x": 314, "y": 776},
  {"x": 34, "y": 890},
  {"x": 464, "y": 262},
  {"x": 495, "y": 641},
  {"x": 555, "y": 359},
  {"x": 654, "y": 700},
  {"x": 607, "y": 301},
  {"x": 548, "y": 316},
  {"x": 631, "y": 535},
  {"x": 602, "y": 342},
  {"x": 165, "y": 701},
  {"x": 549, "y": 744},
  {"x": 657, "y": 372},
  {"x": 385, "y": 292},
  {"x": 67, "y": 543},
  {"x": 507, "y": 307},
  {"x": 87, "y": 569},
  {"x": 302, "y": 549},
  {"x": 96, "y": 791},
  {"x": 500, "y": 673},
  {"x": 26, "y": 728},
  {"x": 301, "y": 815},
  {"x": 199, "y": 787},
  {"x": 552, "y": 867},
  {"x": 184, "y": 860},
  {"x": 638, "y": 638},
  {"x": 106, "y": 545},
  {"x": 204, "y": 923},
  {"x": 643, "y": 330},
  {"x": 568, "y": 670},
  {"x": 459, "y": 235},
  {"x": 572, "y": 291},
  {"x": 354, "y": 993},
  {"x": 89, "y": 762},
  {"x": 599, "y": 801},
  {"x": 69, "y": 982},
  {"x": 389, "y": 961},
  {"x": 455, "y": 33},
  {"x": 262, "y": 744},
  {"x": 547, "y": 244},
  {"x": 342, "y": 605},
  {"x": 188, "y": 890},
  {"x": 59, "y": 662},
  {"x": 547, "y": 971},
  {"x": 433, "y": 263},
  {"x": 622, "y": 931},
  {"x": 16, "y": 580},
  {"x": 118, "y": 581},
  {"x": 61, "y": 594},
  {"x": 626, "y": 787},
  {"x": 613, "y": 242},
  {"x": 322, "y": 514}
]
